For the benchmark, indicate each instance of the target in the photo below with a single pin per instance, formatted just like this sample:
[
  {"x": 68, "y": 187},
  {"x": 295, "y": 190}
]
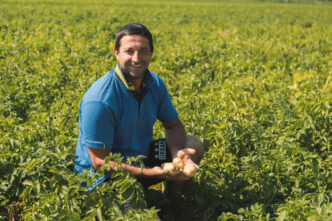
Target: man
[{"x": 119, "y": 110}]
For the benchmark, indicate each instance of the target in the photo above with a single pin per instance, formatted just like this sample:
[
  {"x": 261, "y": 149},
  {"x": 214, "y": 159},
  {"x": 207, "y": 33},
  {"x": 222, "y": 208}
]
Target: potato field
[{"x": 252, "y": 80}]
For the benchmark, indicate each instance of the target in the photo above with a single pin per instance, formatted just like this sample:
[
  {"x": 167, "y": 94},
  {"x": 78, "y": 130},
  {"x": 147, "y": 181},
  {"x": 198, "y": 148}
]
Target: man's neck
[{"x": 136, "y": 82}]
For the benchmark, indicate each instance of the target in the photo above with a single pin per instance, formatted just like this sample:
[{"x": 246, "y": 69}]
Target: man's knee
[{"x": 195, "y": 143}]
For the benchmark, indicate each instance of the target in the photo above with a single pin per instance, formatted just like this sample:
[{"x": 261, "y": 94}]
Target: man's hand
[
  {"x": 179, "y": 177},
  {"x": 185, "y": 155},
  {"x": 155, "y": 172}
]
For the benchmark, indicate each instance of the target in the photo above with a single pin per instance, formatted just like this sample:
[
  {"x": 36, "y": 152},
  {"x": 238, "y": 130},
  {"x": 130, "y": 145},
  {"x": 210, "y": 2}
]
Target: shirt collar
[{"x": 128, "y": 85}]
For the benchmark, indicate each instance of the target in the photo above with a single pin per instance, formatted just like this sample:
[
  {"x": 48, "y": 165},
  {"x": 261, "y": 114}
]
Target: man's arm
[
  {"x": 98, "y": 159},
  {"x": 175, "y": 136},
  {"x": 176, "y": 141}
]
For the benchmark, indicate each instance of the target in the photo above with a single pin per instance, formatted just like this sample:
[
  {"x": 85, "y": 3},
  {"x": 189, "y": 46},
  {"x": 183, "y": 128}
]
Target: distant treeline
[{"x": 276, "y": 1}]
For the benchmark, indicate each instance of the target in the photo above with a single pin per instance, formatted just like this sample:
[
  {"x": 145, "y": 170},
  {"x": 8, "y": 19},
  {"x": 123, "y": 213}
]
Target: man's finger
[
  {"x": 189, "y": 151},
  {"x": 186, "y": 151}
]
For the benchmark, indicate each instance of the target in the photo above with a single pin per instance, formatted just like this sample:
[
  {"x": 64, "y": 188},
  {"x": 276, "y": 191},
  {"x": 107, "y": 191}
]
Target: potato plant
[{"x": 251, "y": 80}]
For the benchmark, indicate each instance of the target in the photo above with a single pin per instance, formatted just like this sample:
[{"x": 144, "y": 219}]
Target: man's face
[{"x": 134, "y": 55}]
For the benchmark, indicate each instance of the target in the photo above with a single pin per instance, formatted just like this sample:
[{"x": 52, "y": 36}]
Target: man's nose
[{"x": 136, "y": 57}]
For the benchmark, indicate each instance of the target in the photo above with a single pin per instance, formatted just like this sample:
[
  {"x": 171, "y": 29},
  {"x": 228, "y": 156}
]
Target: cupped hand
[
  {"x": 179, "y": 177},
  {"x": 185, "y": 155},
  {"x": 158, "y": 172}
]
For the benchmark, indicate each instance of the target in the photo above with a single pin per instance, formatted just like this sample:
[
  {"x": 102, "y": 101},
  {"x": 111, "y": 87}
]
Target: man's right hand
[
  {"x": 155, "y": 172},
  {"x": 159, "y": 173}
]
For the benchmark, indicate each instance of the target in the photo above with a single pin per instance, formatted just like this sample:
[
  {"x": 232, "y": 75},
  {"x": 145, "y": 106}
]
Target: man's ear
[{"x": 116, "y": 52}]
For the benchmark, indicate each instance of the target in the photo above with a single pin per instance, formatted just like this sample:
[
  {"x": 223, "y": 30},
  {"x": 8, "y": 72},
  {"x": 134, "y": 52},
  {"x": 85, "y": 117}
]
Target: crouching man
[{"x": 118, "y": 112}]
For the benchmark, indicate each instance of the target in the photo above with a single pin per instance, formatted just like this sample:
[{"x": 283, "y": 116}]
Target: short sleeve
[
  {"x": 97, "y": 126},
  {"x": 166, "y": 110}
]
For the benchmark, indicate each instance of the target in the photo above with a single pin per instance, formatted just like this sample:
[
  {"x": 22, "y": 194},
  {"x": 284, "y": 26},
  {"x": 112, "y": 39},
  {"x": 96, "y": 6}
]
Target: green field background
[{"x": 253, "y": 80}]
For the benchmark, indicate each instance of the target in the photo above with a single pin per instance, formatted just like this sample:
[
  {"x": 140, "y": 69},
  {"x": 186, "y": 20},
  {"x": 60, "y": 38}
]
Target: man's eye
[
  {"x": 129, "y": 51},
  {"x": 143, "y": 52}
]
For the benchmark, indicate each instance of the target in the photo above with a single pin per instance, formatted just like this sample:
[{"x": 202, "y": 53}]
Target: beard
[{"x": 135, "y": 71}]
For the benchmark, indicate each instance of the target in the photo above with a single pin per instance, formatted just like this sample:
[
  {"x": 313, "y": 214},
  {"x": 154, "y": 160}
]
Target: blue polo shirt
[{"x": 112, "y": 116}]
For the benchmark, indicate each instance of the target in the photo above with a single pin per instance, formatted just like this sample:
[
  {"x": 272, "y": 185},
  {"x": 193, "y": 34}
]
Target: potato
[
  {"x": 172, "y": 169},
  {"x": 178, "y": 162},
  {"x": 190, "y": 169}
]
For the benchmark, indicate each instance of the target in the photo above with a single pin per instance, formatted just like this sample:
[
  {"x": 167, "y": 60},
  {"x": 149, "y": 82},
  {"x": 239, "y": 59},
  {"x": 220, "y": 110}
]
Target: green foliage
[{"x": 253, "y": 81}]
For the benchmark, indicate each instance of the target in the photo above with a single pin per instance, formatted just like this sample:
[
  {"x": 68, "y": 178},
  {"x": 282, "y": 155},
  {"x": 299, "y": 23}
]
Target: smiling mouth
[{"x": 137, "y": 67}]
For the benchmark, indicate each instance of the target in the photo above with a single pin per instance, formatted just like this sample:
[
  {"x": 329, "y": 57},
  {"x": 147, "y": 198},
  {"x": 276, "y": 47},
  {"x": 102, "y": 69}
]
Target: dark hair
[{"x": 133, "y": 29}]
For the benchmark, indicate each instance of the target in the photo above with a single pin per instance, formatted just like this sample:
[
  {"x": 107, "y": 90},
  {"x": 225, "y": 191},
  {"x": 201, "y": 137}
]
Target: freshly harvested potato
[
  {"x": 178, "y": 162},
  {"x": 172, "y": 169},
  {"x": 190, "y": 169}
]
